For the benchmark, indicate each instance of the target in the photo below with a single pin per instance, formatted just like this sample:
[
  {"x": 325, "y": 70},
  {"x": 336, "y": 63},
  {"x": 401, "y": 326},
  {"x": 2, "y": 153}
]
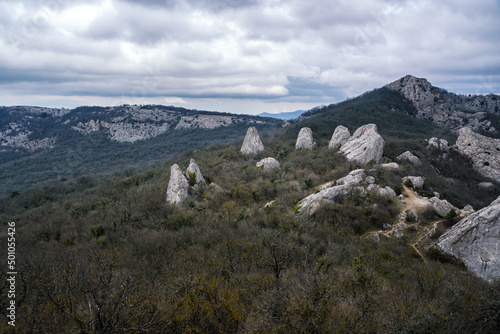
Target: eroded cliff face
[{"x": 448, "y": 110}]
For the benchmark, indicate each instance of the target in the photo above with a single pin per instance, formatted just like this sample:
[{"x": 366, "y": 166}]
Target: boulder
[
  {"x": 177, "y": 190},
  {"x": 305, "y": 139},
  {"x": 365, "y": 145},
  {"x": 194, "y": 170},
  {"x": 417, "y": 181},
  {"x": 483, "y": 151},
  {"x": 252, "y": 143},
  {"x": 386, "y": 192},
  {"x": 475, "y": 241},
  {"x": 340, "y": 136},
  {"x": 409, "y": 157},
  {"x": 389, "y": 166},
  {"x": 411, "y": 216},
  {"x": 268, "y": 163},
  {"x": 486, "y": 185},
  {"x": 468, "y": 208},
  {"x": 442, "y": 207},
  {"x": 440, "y": 144}
]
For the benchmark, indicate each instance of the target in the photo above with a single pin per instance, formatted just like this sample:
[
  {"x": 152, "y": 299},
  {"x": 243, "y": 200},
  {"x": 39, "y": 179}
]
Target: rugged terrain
[{"x": 41, "y": 145}]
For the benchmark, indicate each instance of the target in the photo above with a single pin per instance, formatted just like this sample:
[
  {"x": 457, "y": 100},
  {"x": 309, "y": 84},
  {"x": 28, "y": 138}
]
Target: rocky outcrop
[
  {"x": 486, "y": 186},
  {"x": 447, "y": 110},
  {"x": 305, "y": 139},
  {"x": 340, "y": 136},
  {"x": 252, "y": 143},
  {"x": 410, "y": 157},
  {"x": 442, "y": 207},
  {"x": 268, "y": 163},
  {"x": 417, "y": 182},
  {"x": 178, "y": 185},
  {"x": 365, "y": 145},
  {"x": 440, "y": 144},
  {"x": 475, "y": 240},
  {"x": 355, "y": 182},
  {"x": 483, "y": 151},
  {"x": 193, "y": 171}
]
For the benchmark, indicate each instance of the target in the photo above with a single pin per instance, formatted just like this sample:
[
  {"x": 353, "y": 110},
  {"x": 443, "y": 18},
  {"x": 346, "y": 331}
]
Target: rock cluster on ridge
[
  {"x": 340, "y": 136},
  {"x": 365, "y": 145},
  {"x": 178, "y": 186},
  {"x": 355, "y": 182},
  {"x": 193, "y": 169},
  {"x": 475, "y": 240},
  {"x": 483, "y": 151},
  {"x": 305, "y": 139},
  {"x": 268, "y": 163},
  {"x": 252, "y": 143}
]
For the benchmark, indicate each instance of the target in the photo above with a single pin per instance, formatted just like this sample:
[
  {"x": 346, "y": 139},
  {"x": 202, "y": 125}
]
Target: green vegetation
[{"x": 109, "y": 255}]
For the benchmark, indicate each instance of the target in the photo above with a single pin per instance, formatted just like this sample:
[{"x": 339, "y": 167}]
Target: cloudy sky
[{"x": 243, "y": 56}]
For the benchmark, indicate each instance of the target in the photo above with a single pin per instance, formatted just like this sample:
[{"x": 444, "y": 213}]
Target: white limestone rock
[
  {"x": 340, "y": 136},
  {"x": 486, "y": 185},
  {"x": 417, "y": 181},
  {"x": 268, "y": 163},
  {"x": 252, "y": 143},
  {"x": 305, "y": 139},
  {"x": 365, "y": 145},
  {"x": 389, "y": 166},
  {"x": 442, "y": 207},
  {"x": 409, "y": 157},
  {"x": 194, "y": 169},
  {"x": 475, "y": 241},
  {"x": 483, "y": 151},
  {"x": 440, "y": 144},
  {"x": 178, "y": 185}
]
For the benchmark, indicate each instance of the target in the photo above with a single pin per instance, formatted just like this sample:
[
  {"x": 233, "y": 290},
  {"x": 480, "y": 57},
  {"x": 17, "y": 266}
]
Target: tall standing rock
[
  {"x": 252, "y": 143},
  {"x": 305, "y": 139},
  {"x": 194, "y": 170},
  {"x": 340, "y": 136},
  {"x": 483, "y": 151},
  {"x": 365, "y": 145},
  {"x": 475, "y": 240},
  {"x": 178, "y": 185}
]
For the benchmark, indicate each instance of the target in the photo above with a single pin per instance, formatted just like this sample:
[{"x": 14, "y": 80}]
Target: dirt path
[{"x": 411, "y": 201}]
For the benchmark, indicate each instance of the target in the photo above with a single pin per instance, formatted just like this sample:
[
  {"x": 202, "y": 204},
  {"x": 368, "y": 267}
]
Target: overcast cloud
[{"x": 243, "y": 56}]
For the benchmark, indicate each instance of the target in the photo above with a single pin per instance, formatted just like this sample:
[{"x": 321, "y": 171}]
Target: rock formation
[
  {"x": 305, "y": 139},
  {"x": 178, "y": 185},
  {"x": 410, "y": 157},
  {"x": 340, "y": 136},
  {"x": 389, "y": 166},
  {"x": 483, "y": 151},
  {"x": 268, "y": 163},
  {"x": 475, "y": 240},
  {"x": 447, "y": 110},
  {"x": 355, "y": 182},
  {"x": 365, "y": 145},
  {"x": 416, "y": 181},
  {"x": 252, "y": 143},
  {"x": 194, "y": 170},
  {"x": 440, "y": 144},
  {"x": 442, "y": 207}
]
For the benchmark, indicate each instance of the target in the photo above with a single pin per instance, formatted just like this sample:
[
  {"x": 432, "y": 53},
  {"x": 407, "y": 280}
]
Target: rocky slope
[{"x": 446, "y": 109}]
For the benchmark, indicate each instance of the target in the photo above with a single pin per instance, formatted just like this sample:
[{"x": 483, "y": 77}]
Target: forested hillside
[{"x": 110, "y": 256}]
